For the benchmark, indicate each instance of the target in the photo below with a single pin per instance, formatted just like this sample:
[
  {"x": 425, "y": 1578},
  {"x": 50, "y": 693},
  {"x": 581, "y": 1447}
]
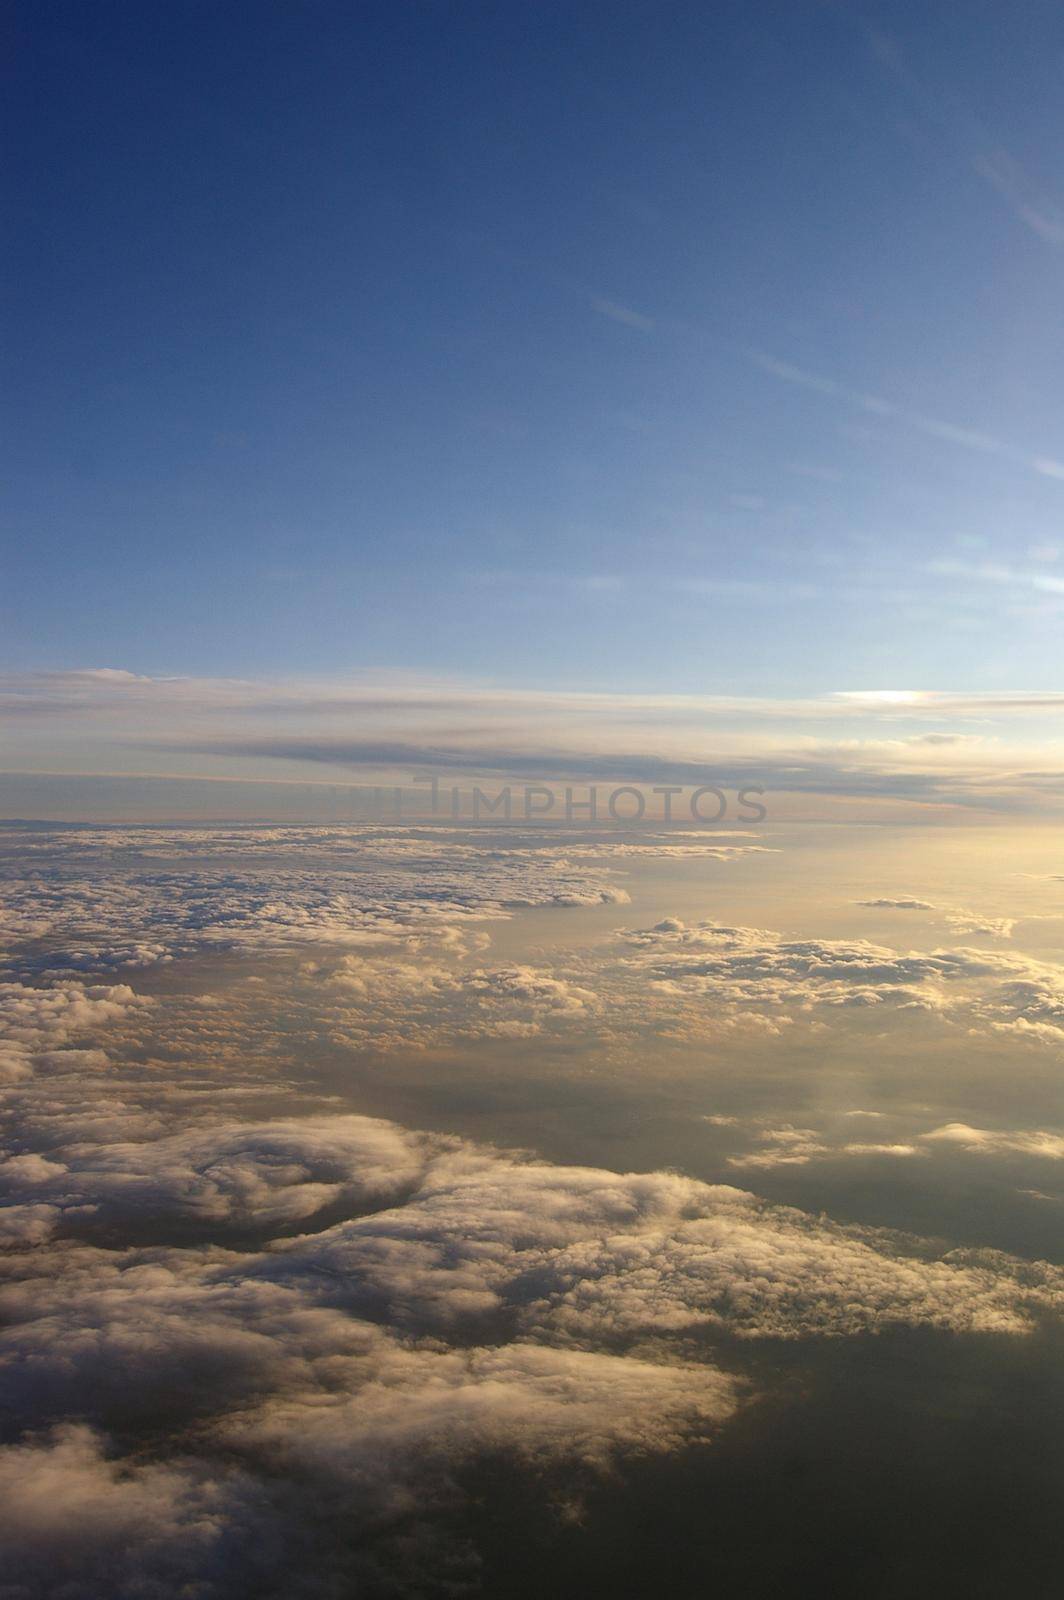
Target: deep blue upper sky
[{"x": 706, "y": 346}]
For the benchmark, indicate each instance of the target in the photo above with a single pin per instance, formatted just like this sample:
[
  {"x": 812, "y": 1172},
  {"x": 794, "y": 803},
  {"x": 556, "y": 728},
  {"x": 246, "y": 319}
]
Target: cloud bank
[{"x": 254, "y": 1342}]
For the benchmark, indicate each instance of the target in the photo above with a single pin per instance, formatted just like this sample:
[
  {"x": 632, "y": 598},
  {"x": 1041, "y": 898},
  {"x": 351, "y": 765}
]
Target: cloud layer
[{"x": 255, "y": 1342}]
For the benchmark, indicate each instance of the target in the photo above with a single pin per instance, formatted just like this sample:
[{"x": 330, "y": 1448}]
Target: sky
[
  {"x": 531, "y": 798},
  {"x": 689, "y": 349}
]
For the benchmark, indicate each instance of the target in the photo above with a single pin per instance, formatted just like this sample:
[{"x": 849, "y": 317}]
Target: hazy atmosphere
[{"x": 531, "y": 801}]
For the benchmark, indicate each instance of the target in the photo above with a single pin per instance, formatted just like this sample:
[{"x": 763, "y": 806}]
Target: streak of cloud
[{"x": 932, "y": 427}]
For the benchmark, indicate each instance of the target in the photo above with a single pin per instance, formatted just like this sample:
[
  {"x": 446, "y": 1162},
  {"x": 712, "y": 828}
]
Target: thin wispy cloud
[
  {"x": 996, "y": 572},
  {"x": 880, "y": 745},
  {"x": 942, "y": 108},
  {"x": 99, "y": 690},
  {"x": 625, "y": 315},
  {"x": 933, "y": 427}
]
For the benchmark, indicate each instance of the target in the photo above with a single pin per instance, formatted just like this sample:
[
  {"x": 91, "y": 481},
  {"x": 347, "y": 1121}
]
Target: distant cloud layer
[{"x": 897, "y": 747}]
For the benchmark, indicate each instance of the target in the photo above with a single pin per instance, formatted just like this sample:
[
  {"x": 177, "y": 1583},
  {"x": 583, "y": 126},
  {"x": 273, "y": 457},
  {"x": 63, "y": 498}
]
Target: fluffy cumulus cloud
[
  {"x": 34, "y": 1020},
  {"x": 224, "y": 1178},
  {"x": 206, "y": 1394},
  {"x": 431, "y": 846},
  {"x": 372, "y": 906},
  {"x": 386, "y": 1004},
  {"x": 353, "y": 887},
  {"x": 599, "y": 1255},
  {"x": 754, "y": 966},
  {"x": 76, "y": 1521},
  {"x": 220, "y": 1340},
  {"x": 757, "y": 974},
  {"x": 685, "y": 981},
  {"x": 466, "y": 1300}
]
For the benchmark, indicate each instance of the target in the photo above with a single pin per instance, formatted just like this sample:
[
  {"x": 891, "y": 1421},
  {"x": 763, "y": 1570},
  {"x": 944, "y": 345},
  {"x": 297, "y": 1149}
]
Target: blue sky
[{"x": 693, "y": 348}]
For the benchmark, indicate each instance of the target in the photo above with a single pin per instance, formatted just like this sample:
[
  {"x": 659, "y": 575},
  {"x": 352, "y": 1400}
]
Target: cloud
[
  {"x": 956, "y": 917},
  {"x": 900, "y": 1150},
  {"x": 229, "y": 1178},
  {"x": 382, "y": 1005},
  {"x": 431, "y": 895},
  {"x": 995, "y": 573},
  {"x": 991, "y": 1142},
  {"x": 389, "y": 929},
  {"x": 74, "y": 1520},
  {"x": 898, "y": 905},
  {"x": 754, "y": 971},
  {"x": 385, "y": 701},
  {"x": 34, "y": 1021},
  {"x": 616, "y": 312},
  {"x": 253, "y": 1342},
  {"x": 385, "y": 732},
  {"x": 941, "y": 109},
  {"x": 481, "y": 1245},
  {"x": 933, "y": 427},
  {"x": 796, "y": 1147},
  {"x": 756, "y": 967},
  {"x": 873, "y": 769}
]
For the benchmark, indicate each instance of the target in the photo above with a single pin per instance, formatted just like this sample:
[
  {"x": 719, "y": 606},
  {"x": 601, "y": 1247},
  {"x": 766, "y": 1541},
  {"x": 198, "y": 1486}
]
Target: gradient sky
[{"x": 709, "y": 348}]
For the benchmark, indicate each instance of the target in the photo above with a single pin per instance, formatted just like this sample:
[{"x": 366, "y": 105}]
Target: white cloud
[
  {"x": 616, "y": 312},
  {"x": 430, "y": 896},
  {"x": 955, "y": 917},
  {"x": 751, "y": 972},
  {"x": 992, "y": 1142}
]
